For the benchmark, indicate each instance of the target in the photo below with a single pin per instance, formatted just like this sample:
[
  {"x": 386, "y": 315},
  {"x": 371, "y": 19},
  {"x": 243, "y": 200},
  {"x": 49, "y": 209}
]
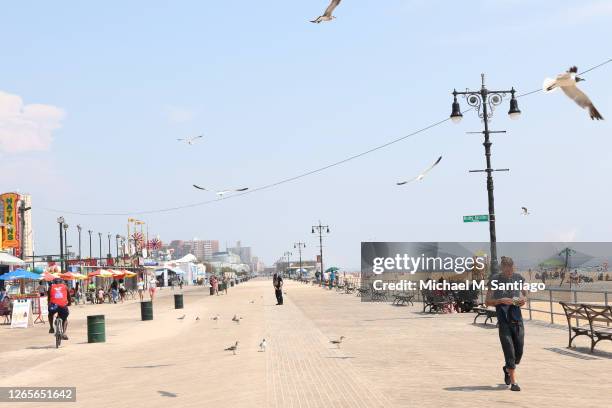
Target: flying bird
[
  {"x": 222, "y": 192},
  {"x": 190, "y": 140},
  {"x": 181, "y": 318},
  {"x": 263, "y": 345},
  {"x": 252, "y": 301},
  {"x": 337, "y": 342},
  {"x": 422, "y": 175},
  {"x": 236, "y": 319},
  {"x": 525, "y": 210},
  {"x": 167, "y": 394},
  {"x": 233, "y": 348},
  {"x": 198, "y": 318},
  {"x": 567, "y": 82},
  {"x": 327, "y": 15},
  {"x": 215, "y": 318}
]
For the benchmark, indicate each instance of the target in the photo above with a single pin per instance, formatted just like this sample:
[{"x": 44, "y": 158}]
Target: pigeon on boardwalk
[
  {"x": 191, "y": 140},
  {"x": 337, "y": 342},
  {"x": 236, "y": 319},
  {"x": 263, "y": 345},
  {"x": 327, "y": 15},
  {"x": 252, "y": 301},
  {"x": 233, "y": 348},
  {"x": 422, "y": 175},
  {"x": 221, "y": 193},
  {"x": 198, "y": 318},
  {"x": 567, "y": 82},
  {"x": 525, "y": 210},
  {"x": 215, "y": 318},
  {"x": 167, "y": 394},
  {"x": 181, "y": 318}
]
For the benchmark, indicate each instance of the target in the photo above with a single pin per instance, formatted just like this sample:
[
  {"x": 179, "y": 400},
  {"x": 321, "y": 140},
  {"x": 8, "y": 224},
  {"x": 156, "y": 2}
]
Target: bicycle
[{"x": 58, "y": 326}]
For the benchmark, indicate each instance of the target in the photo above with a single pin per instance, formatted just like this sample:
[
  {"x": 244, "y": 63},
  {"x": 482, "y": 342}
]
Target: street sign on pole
[{"x": 476, "y": 218}]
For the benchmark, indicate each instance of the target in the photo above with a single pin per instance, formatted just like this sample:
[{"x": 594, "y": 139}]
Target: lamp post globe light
[
  {"x": 90, "y": 252},
  {"x": 320, "y": 229},
  {"x": 299, "y": 246},
  {"x": 100, "y": 239},
  {"x": 66, "y": 247},
  {"x": 484, "y": 102},
  {"x": 79, "y": 228}
]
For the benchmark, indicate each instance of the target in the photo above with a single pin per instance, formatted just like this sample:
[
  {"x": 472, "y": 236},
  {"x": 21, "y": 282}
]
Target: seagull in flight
[
  {"x": 236, "y": 319},
  {"x": 263, "y": 345},
  {"x": 422, "y": 175},
  {"x": 221, "y": 193},
  {"x": 190, "y": 140},
  {"x": 525, "y": 210},
  {"x": 567, "y": 82},
  {"x": 181, "y": 318},
  {"x": 327, "y": 15}
]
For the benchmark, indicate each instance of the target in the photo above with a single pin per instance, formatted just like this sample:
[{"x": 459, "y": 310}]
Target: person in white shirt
[
  {"x": 152, "y": 287},
  {"x": 140, "y": 287}
]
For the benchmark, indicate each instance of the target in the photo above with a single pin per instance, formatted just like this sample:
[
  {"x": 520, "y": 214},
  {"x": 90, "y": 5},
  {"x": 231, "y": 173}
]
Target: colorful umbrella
[
  {"x": 101, "y": 273},
  {"x": 48, "y": 277},
  {"x": 72, "y": 276},
  {"x": 20, "y": 274}
]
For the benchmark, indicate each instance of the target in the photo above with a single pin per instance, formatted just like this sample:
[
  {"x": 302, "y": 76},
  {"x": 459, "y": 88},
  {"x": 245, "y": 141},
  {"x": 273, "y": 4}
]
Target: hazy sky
[{"x": 93, "y": 98}]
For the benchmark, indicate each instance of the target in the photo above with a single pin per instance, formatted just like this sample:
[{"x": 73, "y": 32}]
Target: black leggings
[
  {"x": 512, "y": 338},
  {"x": 279, "y": 296}
]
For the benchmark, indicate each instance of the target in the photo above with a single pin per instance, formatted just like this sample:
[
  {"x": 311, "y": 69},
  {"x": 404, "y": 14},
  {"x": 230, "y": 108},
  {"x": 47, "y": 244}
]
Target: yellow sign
[{"x": 9, "y": 218}]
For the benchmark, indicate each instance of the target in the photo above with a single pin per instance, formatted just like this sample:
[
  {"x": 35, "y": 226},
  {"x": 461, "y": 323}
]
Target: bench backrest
[
  {"x": 598, "y": 313},
  {"x": 574, "y": 311}
]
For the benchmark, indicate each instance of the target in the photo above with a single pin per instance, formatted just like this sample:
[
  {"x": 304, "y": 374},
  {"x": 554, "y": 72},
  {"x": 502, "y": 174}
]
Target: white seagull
[
  {"x": 236, "y": 319},
  {"x": 263, "y": 345},
  {"x": 190, "y": 140},
  {"x": 525, "y": 210},
  {"x": 327, "y": 15},
  {"x": 181, "y": 318},
  {"x": 567, "y": 82},
  {"x": 233, "y": 348},
  {"x": 422, "y": 175},
  {"x": 221, "y": 193}
]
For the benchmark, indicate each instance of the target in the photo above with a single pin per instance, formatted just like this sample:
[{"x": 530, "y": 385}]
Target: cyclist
[{"x": 59, "y": 300}]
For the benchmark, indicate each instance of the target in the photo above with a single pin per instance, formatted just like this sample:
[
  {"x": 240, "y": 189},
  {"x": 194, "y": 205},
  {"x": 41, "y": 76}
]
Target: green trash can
[
  {"x": 231, "y": 284},
  {"x": 178, "y": 301},
  {"x": 212, "y": 291},
  {"x": 146, "y": 310},
  {"x": 96, "y": 329}
]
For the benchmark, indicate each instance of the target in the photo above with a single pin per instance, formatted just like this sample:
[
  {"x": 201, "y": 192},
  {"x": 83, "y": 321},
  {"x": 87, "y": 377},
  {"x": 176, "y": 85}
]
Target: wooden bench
[
  {"x": 599, "y": 318},
  {"x": 403, "y": 299},
  {"x": 484, "y": 311},
  {"x": 362, "y": 291},
  {"x": 435, "y": 302}
]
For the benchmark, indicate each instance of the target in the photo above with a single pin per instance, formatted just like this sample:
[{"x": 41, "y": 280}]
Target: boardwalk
[{"x": 392, "y": 357}]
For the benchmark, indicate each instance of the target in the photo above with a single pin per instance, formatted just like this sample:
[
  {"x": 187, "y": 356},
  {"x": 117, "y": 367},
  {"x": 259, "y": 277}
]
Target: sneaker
[
  {"x": 64, "y": 337},
  {"x": 506, "y": 376},
  {"x": 515, "y": 387},
  {"x": 51, "y": 331}
]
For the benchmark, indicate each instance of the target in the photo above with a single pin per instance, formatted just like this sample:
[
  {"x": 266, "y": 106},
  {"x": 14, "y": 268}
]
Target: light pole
[
  {"x": 79, "y": 228},
  {"x": 299, "y": 246},
  {"x": 90, "y": 253},
  {"x": 288, "y": 255},
  {"x": 100, "y": 238},
  {"x": 320, "y": 230},
  {"x": 22, "y": 210},
  {"x": 67, "y": 250},
  {"x": 60, "y": 222},
  {"x": 117, "y": 244},
  {"x": 110, "y": 255},
  {"x": 484, "y": 100}
]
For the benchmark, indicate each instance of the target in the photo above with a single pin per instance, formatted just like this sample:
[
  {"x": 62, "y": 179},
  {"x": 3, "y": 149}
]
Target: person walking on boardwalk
[
  {"x": 506, "y": 294},
  {"x": 277, "y": 281}
]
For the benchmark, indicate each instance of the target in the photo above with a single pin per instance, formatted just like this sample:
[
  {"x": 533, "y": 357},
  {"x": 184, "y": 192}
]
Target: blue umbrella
[{"x": 20, "y": 274}]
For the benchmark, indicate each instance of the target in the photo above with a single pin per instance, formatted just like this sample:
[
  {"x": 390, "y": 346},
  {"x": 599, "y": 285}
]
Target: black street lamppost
[
  {"x": 79, "y": 228},
  {"x": 67, "y": 248},
  {"x": 288, "y": 255},
  {"x": 60, "y": 222},
  {"x": 109, "y": 245},
  {"x": 90, "y": 253},
  {"x": 320, "y": 230},
  {"x": 485, "y": 101},
  {"x": 100, "y": 239},
  {"x": 299, "y": 246}
]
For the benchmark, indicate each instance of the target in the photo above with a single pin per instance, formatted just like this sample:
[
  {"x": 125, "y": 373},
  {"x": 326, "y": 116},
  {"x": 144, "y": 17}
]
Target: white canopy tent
[{"x": 10, "y": 260}]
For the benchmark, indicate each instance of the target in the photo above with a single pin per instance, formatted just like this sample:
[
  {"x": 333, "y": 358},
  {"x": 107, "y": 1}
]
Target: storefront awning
[{"x": 10, "y": 260}]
